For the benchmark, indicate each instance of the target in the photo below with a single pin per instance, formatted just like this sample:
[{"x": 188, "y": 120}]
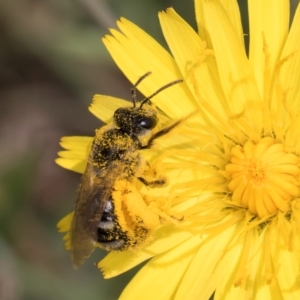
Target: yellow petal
[
  {"x": 232, "y": 9},
  {"x": 269, "y": 24},
  {"x": 65, "y": 223},
  {"x": 195, "y": 61},
  {"x": 244, "y": 285},
  {"x": 179, "y": 258},
  {"x": 165, "y": 238},
  {"x": 290, "y": 75},
  {"x": 77, "y": 151},
  {"x": 288, "y": 275},
  {"x": 234, "y": 69},
  {"x": 136, "y": 53},
  {"x": 204, "y": 275},
  {"x": 103, "y": 107}
]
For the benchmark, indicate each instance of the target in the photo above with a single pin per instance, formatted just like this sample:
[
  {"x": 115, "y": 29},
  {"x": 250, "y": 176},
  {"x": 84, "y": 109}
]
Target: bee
[{"x": 108, "y": 189}]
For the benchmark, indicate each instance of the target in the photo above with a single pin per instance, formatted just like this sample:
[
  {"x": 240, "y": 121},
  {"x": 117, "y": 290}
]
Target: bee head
[
  {"x": 137, "y": 121},
  {"x": 140, "y": 121}
]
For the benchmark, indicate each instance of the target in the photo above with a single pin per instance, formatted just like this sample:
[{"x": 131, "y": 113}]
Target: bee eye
[{"x": 147, "y": 122}]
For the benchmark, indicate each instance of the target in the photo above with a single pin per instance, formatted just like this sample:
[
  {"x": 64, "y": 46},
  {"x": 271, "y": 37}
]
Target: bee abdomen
[
  {"x": 112, "y": 237},
  {"x": 109, "y": 235}
]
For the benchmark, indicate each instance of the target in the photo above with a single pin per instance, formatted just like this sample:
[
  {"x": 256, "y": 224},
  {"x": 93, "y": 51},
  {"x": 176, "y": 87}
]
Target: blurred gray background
[{"x": 52, "y": 62}]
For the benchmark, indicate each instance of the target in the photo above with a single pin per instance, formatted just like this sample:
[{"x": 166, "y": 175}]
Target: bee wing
[{"x": 94, "y": 191}]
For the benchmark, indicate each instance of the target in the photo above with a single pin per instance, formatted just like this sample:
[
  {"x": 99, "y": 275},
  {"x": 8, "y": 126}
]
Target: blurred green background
[{"x": 52, "y": 62}]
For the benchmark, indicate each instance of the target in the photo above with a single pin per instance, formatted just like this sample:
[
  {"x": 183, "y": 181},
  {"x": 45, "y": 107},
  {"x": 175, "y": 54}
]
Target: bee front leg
[
  {"x": 161, "y": 182},
  {"x": 149, "y": 177}
]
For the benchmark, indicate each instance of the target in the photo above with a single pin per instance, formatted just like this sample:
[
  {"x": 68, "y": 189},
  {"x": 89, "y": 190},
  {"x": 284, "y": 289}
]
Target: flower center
[{"x": 263, "y": 177}]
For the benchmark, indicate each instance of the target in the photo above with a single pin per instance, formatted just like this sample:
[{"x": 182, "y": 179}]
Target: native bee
[{"x": 107, "y": 188}]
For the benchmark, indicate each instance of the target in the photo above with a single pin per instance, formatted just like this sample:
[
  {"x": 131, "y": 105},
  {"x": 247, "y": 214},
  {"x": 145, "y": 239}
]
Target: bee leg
[
  {"x": 149, "y": 177},
  {"x": 153, "y": 183}
]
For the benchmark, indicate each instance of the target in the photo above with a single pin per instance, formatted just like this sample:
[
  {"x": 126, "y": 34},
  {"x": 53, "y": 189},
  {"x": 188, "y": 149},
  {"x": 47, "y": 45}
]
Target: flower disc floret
[{"x": 263, "y": 177}]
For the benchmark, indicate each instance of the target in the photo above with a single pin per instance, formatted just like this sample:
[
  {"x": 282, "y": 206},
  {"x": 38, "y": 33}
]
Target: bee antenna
[
  {"x": 159, "y": 90},
  {"x": 133, "y": 89}
]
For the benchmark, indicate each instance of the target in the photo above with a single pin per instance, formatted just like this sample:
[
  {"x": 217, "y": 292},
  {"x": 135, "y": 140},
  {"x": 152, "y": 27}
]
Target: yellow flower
[{"x": 234, "y": 172}]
